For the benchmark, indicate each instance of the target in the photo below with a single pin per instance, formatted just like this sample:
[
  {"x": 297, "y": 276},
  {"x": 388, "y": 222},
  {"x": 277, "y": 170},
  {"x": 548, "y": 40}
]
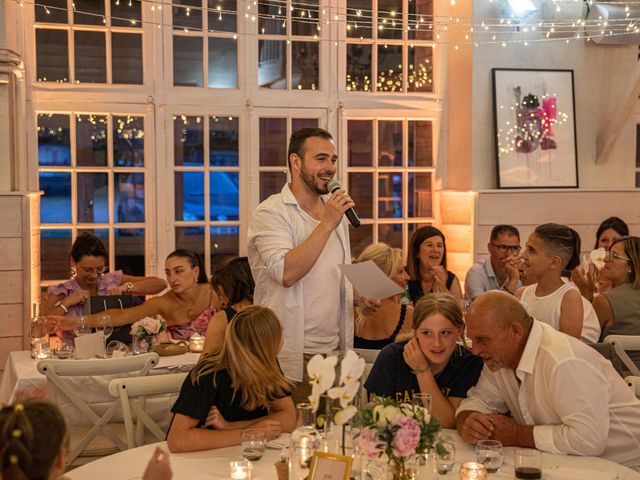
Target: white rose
[{"x": 385, "y": 415}]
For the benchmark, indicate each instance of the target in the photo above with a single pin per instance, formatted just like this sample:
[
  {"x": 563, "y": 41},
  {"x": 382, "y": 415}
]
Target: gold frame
[{"x": 316, "y": 467}]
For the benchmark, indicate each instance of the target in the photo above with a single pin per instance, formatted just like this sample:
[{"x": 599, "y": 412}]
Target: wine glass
[
  {"x": 82, "y": 326},
  {"x": 104, "y": 327}
]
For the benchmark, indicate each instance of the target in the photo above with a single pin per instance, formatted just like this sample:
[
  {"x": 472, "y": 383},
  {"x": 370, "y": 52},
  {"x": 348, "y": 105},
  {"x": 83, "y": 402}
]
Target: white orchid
[
  {"x": 597, "y": 257},
  {"x": 322, "y": 374},
  {"x": 351, "y": 368},
  {"x": 345, "y": 394},
  {"x": 343, "y": 416}
]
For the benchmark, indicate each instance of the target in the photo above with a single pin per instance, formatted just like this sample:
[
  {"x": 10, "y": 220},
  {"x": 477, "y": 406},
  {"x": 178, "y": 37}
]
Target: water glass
[
  {"x": 82, "y": 327},
  {"x": 527, "y": 463},
  {"x": 489, "y": 453},
  {"x": 422, "y": 399},
  {"x": 117, "y": 349},
  {"x": 64, "y": 351},
  {"x": 446, "y": 458},
  {"x": 253, "y": 444}
]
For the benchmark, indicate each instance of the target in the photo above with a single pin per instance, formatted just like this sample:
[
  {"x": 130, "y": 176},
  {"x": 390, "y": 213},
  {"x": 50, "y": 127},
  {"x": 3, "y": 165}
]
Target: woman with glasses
[{"x": 618, "y": 309}]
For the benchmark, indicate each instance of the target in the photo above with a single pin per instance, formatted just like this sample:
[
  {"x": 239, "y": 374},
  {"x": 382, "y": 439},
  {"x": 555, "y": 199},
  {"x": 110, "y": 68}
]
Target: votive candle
[
  {"x": 196, "y": 343},
  {"x": 240, "y": 470},
  {"x": 473, "y": 471}
]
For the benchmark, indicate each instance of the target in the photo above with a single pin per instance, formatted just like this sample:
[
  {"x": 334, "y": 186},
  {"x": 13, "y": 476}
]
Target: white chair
[
  {"x": 90, "y": 404},
  {"x": 138, "y": 389},
  {"x": 634, "y": 383},
  {"x": 622, "y": 344}
]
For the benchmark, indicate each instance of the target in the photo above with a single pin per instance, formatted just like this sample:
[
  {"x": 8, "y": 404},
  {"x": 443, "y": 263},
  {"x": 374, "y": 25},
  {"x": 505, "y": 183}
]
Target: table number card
[{"x": 89, "y": 346}]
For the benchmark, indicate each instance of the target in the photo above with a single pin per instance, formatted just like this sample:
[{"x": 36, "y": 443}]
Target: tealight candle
[
  {"x": 473, "y": 471},
  {"x": 240, "y": 470},
  {"x": 196, "y": 342}
]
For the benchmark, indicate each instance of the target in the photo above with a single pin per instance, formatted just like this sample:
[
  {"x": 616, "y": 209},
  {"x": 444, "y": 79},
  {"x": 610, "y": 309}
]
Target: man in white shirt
[
  {"x": 499, "y": 270},
  {"x": 543, "y": 389},
  {"x": 297, "y": 239}
]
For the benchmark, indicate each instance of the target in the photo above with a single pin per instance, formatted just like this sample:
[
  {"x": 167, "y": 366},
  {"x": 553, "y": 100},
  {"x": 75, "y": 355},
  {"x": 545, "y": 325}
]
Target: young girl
[
  {"x": 432, "y": 360},
  {"x": 551, "y": 250},
  {"x": 244, "y": 383}
]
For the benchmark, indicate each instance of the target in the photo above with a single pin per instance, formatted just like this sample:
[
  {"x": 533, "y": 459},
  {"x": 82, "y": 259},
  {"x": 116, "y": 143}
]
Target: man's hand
[
  {"x": 414, "y": 357},
  {"x": 475, "y": 427},
  {"x": 215, "y": 419},
  {"x": 505, "y": 429},
  {"x": 511, "y": 264},
  {"x": 61, "y": 322},
  {"x": 338, "y": 203}
]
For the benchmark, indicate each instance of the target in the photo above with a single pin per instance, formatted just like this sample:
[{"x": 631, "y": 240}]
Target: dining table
[{"x": 214, "y": 464}]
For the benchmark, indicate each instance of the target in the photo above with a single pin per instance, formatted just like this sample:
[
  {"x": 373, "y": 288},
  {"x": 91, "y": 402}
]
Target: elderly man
[{"x": 543, "y": 389}]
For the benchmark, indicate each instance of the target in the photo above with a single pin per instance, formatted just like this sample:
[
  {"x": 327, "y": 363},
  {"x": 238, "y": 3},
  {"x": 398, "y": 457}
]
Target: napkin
[{"x": 90, "y": 345}]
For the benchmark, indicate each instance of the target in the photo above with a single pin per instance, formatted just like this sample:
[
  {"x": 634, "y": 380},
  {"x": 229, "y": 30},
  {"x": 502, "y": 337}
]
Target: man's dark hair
[
  {"x": 296, "y": 142},
  {"x": 498, "y": 229}
]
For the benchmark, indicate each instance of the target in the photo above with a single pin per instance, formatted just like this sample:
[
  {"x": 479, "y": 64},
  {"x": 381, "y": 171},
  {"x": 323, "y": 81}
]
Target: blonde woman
[
  {"x": 379, "y": 329},
  {"x": 236, "y": 387},
  {"x": 432, "y": 360}
]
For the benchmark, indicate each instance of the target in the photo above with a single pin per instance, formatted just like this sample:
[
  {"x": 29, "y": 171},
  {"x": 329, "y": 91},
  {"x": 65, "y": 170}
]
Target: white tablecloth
[{"x": 214, "y": 464}]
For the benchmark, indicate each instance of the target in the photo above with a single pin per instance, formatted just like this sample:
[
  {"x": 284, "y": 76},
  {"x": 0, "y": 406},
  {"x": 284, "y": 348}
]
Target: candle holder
[
  {"x": 196, "y": 343},
  {"x": 473, "y": 471},
  {"x": 240, "y": 470}
]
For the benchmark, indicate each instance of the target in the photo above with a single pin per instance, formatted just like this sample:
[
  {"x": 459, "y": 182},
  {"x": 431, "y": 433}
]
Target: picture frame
[
  {"x": 329, "y": 466},
  {"x": 534, "y": 128}
]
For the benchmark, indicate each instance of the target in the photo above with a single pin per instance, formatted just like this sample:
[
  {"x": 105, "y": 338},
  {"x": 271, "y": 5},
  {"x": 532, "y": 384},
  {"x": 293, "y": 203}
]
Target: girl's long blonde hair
[{"x": 249, "y": 353}]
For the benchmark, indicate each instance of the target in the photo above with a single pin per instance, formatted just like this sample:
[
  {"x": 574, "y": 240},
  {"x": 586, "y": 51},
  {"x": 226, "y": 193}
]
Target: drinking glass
[
  {"x": 82, "y": 327},
  {"x": 527, "y": 463},
  {"x": 489, "y": 453},
  {"x": 446, "y": 458},
  {"x": 422, "y": 399},
  {"x": 253, "y": 444},
  {"x": 105, "y": 328},
  {"x": 116, "y": 348}
]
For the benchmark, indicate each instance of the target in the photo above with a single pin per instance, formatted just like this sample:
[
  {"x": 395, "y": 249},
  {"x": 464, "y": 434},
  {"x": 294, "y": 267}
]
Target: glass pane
[
  {"x": 51, "y": 11},
  {"x": 128, "y": 141},
  {"x": 91, "y": 62},
  {"x": 391, "y": 234},
  {"x": 273, "y": 142},
  {"x": 271, "y": 182},
  {"x": 360, "y": 238},
  {"x": 272, "y": 19},
  {"x": 126, "y": 13},
  {"x": 91, "y": 140},
  {"x": 389, "y": 143},
  {"x": 188, "y": 140},
  {"x": 130, "y": 251},
  {"x": 189, "y": 196},
  {"x": 224, "y": 244},
  {"x": 360, "y": 143},
  {"x": 190, "y": 238},
  {"x": 93, "y": 198},
  {"x": 187, "y": 61},
  {"x": 390, "y": 68},
  {"x": 224, "y": 196},
  {"x": 223, "y": 63},
  {"x": 272, "y": 64},
  {"x": 304, "y": 18},
  {"x": 420, "y": 195},
  {"x": 359, "y": 18},
  {"x": 420, "y": 19},
  {"x": 412, "y": 227},
  {"x": 54, "y": 252},
  {"x": 54, "y": 145},
  {"x": 420, "y": 144},
  {"x": 55, "y": 204},
  {"x": 298, "y": 123},
  {"x": 101, "y": 233},
  {"x": 358, "y": 68},
  {"x": 305, "y": 69},
  {"x": 420, "y": 69},
  {"x": 88, "y": 12},
  {"x": 129, "y": 197},
  {"x": 390, "y": 195},
  {"x": 223, "y": 141},
  {"x": 223, "y": 16},
  {"x": 390, "y": 19},
  {"x": 361, "y": 190},
  {"x": 126, "y": 55},
  {"x": 185, "y": 16},
  {"x": 52, "y": 55}
]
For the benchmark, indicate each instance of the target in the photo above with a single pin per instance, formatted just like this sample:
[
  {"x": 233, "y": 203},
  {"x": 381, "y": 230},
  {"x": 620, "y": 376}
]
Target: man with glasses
[{"x": 499, "y": 271}]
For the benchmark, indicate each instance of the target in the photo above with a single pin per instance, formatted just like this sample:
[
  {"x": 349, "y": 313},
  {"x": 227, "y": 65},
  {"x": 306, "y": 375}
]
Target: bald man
[{"x": 543, "y": 389}]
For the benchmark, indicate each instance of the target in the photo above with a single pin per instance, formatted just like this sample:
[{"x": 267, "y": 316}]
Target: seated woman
[
  {"x": 432, "y": 361},
  {"x": 241, "y": 384},
  {"x": 89, "y": 277},
  {"x": 377, "y": 330},
  {"x": 234, "y": 284},
  {"x": 427, "y": 265},
  {"x": 618, "y": 309},
  {"x": 187, "y": 307}
]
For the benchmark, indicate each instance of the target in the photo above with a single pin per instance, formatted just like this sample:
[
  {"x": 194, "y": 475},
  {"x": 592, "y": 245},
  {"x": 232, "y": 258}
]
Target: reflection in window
[
  {"x": 223, "y": 141},
  {"x": 389, "y": 143},
  {"x": 390, "y": 19},
  {"x": 273, "y": 142},
  {"x": 51, "y": 11},
  {"x": 271, "y": 183},
  {"x": 304, "y": 18},
  {"x": 224, "y": 196},
  {"x": 223, "y": 63},
  {"x": 126, "y": 55},
  {"x": 391, "y": 234},
  {"x": 420, "y": 144},
  {"x": 360, "y": 238},
  {"x": 390, "y": 195},
  {"x": 421, "y": 19},
  {"x": 222, "y": 16},
  {"x": 361, "y": 190},
  {"x": 420, "y": 69},
  {"x": 272, "y": 18},
  {"x": 52, "y": 55},
  {"x": 189, "y": 196},
  {"x": 188, "y": 140},
  {"x": 305, "y": 65},
  {"x": 128, "y": 141},
  {"x": 54, "y": 144},
  {"x": 90, "y": 57},
  {"x": 420, "y": 195},
  {"x": 358, "y": 67},
  {"x": 298, "y": 123},
  {"x": 224, "y": 243},
  {"x": 54, "y": 252},
  {"x": 91, "y": 140},
  {"x": 390, "y": 68},
  {"x": 88, "y": 12},
  {"x": 55, "y": 204},
  {"x": 190, "y": 238},
  {"x": 360, "y": 139},
  {"x": 359, "y": 18},
  {"x": 92, "y": 197},
  {"x": 187, "y": 61},
  {"x": 187, "y": 14},
  {"x": 272, "y": 64},
  {"x": 130, "y": 250},
  {"x": 126, "y": 13},
  {"x": 129, "y": 197}
]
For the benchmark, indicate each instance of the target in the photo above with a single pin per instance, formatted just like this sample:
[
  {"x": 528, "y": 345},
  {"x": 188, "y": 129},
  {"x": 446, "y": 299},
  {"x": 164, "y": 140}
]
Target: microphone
[{"x": 351, "y": 213}]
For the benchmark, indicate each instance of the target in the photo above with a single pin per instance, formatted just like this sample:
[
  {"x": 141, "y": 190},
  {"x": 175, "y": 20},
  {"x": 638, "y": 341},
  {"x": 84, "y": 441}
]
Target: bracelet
[
  {"x": 129, "y": 286},
  {"x": 419, "y": 371},
  {"x": 61, "y": 305}
]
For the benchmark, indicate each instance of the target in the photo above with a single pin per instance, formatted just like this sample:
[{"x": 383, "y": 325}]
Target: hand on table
[
  {"x": 271, "y": 428},
  {"x": 477, "y": 426},
  {"x": 159, "y": 467}
]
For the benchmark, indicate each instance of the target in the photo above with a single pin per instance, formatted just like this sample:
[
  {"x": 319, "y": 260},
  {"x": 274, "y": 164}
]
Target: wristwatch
[{"x": 129, "y": 286}]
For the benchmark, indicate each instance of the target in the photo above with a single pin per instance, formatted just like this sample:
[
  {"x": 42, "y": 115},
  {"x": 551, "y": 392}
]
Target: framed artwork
[
  {"x": 330, "y": 466},
  {"x": 535, "y": 128}
]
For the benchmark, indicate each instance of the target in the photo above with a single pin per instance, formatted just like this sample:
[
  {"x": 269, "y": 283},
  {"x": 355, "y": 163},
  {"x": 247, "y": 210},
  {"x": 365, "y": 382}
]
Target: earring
[{"x": 72, "y": 271}]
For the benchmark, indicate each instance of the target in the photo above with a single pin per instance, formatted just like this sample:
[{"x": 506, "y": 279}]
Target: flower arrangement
[
  {"x": 148, "y": 326},
  {"x": 397, "y": 430}
]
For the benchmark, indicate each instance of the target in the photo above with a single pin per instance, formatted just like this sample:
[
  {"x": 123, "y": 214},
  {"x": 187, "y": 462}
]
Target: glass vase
[
  {"x": 144, "y": 343},
  {"x": 304, "y": 441}
]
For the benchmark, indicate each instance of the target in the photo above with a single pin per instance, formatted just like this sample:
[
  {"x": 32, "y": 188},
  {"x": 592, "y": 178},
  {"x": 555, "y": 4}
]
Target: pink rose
[
  {"x": 407, "y": 436},
  {"x": 151, "y": 325},
  {"x": 369, "y": 444}
]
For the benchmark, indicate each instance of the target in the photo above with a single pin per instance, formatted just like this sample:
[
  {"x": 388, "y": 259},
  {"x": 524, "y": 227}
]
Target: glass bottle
[
  {"x": 305, "y": 440},
  {"x": 40, "y": 347}
]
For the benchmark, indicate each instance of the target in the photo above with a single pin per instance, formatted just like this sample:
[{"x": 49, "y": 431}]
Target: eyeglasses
[
  {"x": 612, "y": 255},
  {"x": 507, "y": 248}
]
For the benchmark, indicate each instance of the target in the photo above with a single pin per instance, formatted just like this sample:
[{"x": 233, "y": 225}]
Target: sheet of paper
[
  {"x": 369, "y": 281},
  {"x": 89, "y": 346}
]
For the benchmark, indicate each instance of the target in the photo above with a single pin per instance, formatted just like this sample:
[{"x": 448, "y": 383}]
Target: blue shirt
[{"x": 481, "y": 278}]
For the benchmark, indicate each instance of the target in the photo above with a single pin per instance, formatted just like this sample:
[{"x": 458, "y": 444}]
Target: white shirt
[
  {"x": 576, "y": 400},
  {"x": 317, "y": 311}
]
